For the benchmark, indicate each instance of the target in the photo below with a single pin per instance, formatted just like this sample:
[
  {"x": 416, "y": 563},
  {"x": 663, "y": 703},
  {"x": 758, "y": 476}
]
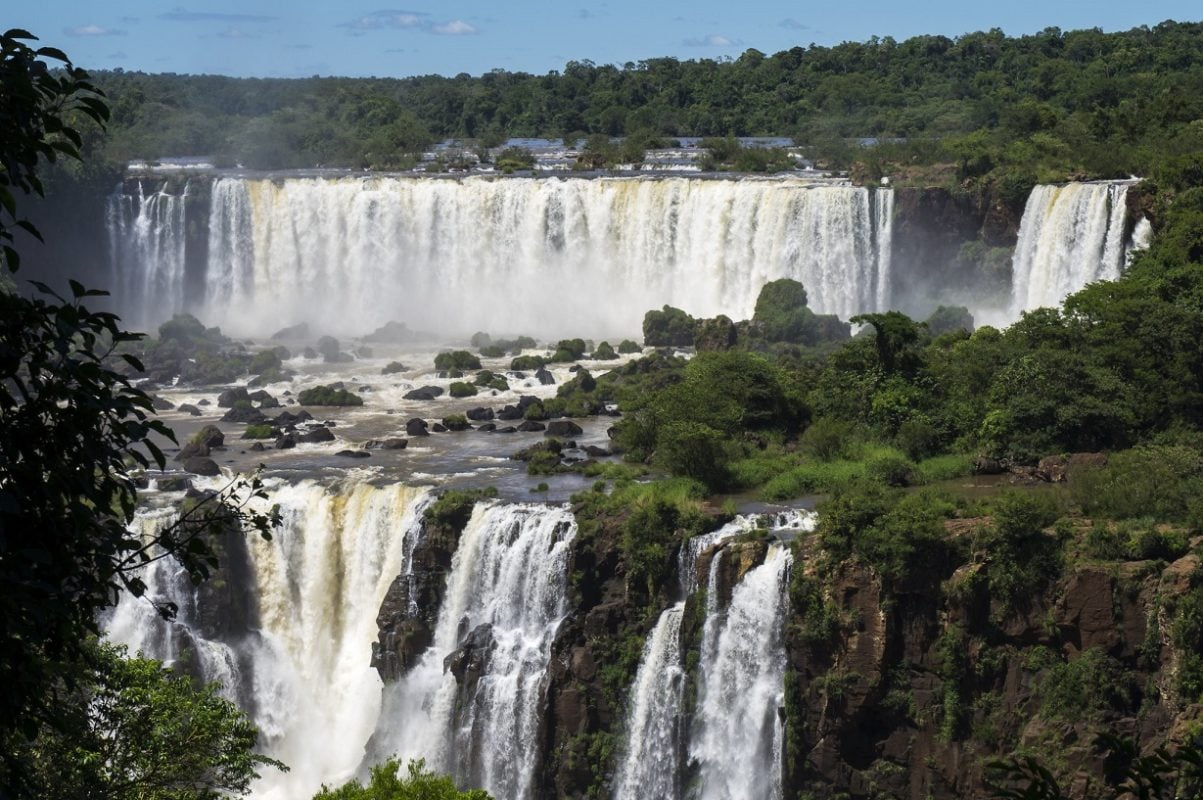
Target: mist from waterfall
[{"x": 453, "y": 256}]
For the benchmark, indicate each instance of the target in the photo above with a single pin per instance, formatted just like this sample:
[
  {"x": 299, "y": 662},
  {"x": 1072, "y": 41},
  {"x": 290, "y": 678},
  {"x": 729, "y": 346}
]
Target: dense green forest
[{"x": 1082, "y": 102}]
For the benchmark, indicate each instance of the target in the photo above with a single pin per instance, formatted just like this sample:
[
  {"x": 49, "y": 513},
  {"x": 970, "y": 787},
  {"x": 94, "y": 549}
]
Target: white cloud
[
  {"x": 713, "y": 40},
  {"x": 237, "y": 33},
  {"x": 92, "y": 30},
  {"x": 456, "y": 27},
  {"x": 792, "y": 24},
  {"x": 184, "y": 15},
  {"x": 398, "y": 20},
  {"x": 383, "y": 20}
]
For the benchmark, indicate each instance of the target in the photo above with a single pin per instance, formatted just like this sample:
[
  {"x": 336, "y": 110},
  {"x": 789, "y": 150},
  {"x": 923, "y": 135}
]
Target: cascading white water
[
  {"x": 651, "y": 761},
  {"x": 147, "y": 245},
  {"x": 509, "y": 573},
  {"x": 650, "y": 765},
  {"x": 508, "y": 254},
  {"x": 1069, "y": 236},
  {"x": 737, "y": 738},
  {"x": 306, "y": 664}
]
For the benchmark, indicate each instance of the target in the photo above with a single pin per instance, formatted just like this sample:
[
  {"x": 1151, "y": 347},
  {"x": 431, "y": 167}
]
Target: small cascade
[
  {"x": 473, "y": 703},
  {"x": 147, "y": 246},
  {"x": 737, "y": 736},
  {"x": 655, "y": 743},
  {"x": 299, "y": 662},
  {"x": 492, "y": 251},
  {"x": 1069, "y": 236}
]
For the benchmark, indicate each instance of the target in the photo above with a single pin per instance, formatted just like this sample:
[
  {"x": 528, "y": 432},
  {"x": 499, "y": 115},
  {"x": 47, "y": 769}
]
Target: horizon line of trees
[{"x": 1083, "y": 100}]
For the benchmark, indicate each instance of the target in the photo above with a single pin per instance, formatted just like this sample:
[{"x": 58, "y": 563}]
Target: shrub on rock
[
  {"x": 328, "y": 396},
  {"x": 456, "y": 359}
]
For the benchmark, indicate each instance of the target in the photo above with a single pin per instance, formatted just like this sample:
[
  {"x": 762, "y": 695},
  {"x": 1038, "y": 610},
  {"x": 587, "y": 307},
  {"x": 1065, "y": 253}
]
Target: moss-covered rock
[
  {"x": 328, "y": 396},
  {"x": 461, "y": 389}
]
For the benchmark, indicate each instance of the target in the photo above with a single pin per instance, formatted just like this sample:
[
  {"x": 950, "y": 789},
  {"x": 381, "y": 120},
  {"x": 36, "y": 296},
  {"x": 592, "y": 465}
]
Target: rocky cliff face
[{"x": 915, "y": 693}]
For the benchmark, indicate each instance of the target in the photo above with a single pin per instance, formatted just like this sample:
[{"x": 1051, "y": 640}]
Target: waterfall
[
  {"x": 737, "y": 737},
  {"x": 147, "y": 244},
  {"x": 498, "y": 254},
  {"x": 301, "y": 665},
  {"x": 650, "y": 765},
  {"x": 884, "y": 201},
  {"x": 506, "y": 596},
  {"x": 1069, "y": 236},
  {"x": 649, "y": 768}
]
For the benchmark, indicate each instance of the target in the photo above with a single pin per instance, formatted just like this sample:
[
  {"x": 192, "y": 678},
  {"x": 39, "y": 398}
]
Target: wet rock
[
  {"x": 354, "y": 454},
  {"x": 363, "y": 352},
  {"x": 480, "y": 414},
  {"x": 438, "y": 428},
  {"x": 982, "y": 465},
  {"x": 232, "y": 397},
  {"x": 199, "y": 465},
  {"x": 316, "y": 436},
  {"x": 204, "y": 402},
  {"x": 159, "y": 404},
  {"x": 488, "y": 427},
  {"x": 286, "y": 442},
  {"x": 510, "y": 413},
  {"x": 506, "y": 429},
  {"x": 526, "y": 401},
  {"x": 1052, "y": 469},
  {"x": 531, "y": 426},
  {"x": 292, "y": 332},
  {"x": 309, "y": 352},
  {"x": 244, "y": 414},
  {"x": 544, "y": 376},
  {"x": 394, "y": 444},
  {"x": 173, "y": 483},
  {"x": 424, "y": 393},
  {"x": 468, "y": 663},
  {"x": 594, "y": 451},
  {"x": 416, "y": 427},
  {"x": 257, "y": 447},
  {"x": 456, "y": 424},
  {"x": 563, "y": 428},
  {"x": 188, "y": 408},
  {"x": 286, "y": 418},
  {"x": 264, "y": 399}
]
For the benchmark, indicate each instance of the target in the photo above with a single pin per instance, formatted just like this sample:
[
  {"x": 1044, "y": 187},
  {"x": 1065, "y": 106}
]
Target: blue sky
[{"x": 290, "y": 38}]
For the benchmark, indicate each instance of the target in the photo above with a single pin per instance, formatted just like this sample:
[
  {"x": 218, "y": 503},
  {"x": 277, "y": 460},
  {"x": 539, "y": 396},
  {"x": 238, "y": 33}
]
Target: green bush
[
  {"x": 386, "y": 783},
  {"x": 456, "y": 359},
  {"x": 669, "y": 327},
  {"x": 461, "y": 389},
  {"x": 696, "y": 451},
  {"x": 264, "y": 431},
  {"x": 393, "y": 367},
  {"x": 892, "y": 470},
  {"x": 327, "y": 396},
  {"x": 528, "y": 363},
  {"x": 264, "y": 361},
  {"x": 827, "y": 439},
  {"x": 627, "y": 347},
  {"x": 1164, "y": 482},
  {"x": 1088, "y": 687},
  {"x": 535, "y": 412},
  {"x": 492, "y": 351},
  {"x": 604, "y": 352},
  {"x": 918, "y": 439}
]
